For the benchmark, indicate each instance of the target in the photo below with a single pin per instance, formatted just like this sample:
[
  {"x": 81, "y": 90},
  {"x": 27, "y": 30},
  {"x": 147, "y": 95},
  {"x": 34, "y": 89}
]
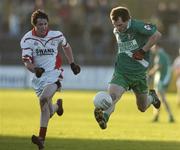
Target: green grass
[{"x": 128, "y": 129}]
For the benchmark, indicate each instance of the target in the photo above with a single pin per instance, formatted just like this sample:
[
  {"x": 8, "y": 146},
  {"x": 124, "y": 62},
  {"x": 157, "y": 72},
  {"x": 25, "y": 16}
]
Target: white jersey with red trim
[{"x": 43, "y": 52}]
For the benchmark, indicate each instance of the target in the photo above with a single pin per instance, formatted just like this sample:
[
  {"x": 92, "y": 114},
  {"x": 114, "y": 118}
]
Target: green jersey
[
  {"x": 133, "y": 39},
  {"x": 162, "y": 59}
]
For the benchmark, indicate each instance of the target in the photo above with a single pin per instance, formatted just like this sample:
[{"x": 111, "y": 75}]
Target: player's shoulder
[
  {"x": 55, "y": 33},
  {"x": 26, "y": 36},
  {"x": 142, "y": 25},
  {"x": 135, "y": 23}
]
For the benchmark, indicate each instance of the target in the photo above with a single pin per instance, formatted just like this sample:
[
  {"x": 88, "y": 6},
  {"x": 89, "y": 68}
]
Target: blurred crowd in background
[{"x": 86, "y": 25}]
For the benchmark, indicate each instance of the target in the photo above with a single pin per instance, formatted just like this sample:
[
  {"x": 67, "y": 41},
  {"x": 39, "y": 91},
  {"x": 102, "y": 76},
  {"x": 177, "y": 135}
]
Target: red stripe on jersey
[
  {"x": 28, "y": 48},
  {"x": 58, "y": 61},
  {"x": 53, "y": 38},
  {"x": 33, "y": 39}
]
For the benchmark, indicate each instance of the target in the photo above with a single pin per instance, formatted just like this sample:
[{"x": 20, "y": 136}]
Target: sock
[
  {"x": 106, "y": 116},
  {"x": 107, "y": 113},
  {"x": 42, "y": 132}
]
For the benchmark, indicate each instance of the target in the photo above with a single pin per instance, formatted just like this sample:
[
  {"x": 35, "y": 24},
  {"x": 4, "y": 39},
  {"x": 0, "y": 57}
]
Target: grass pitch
[{"x": 128, "y": 129}]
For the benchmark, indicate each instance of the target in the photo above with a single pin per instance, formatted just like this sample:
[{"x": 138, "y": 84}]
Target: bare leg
[
  {"x": 45, "y": 101},
  {"x": 102, "y": 116},
  {"x": 178, "y": 90},
  {"x": 156, "y": 113},
  {"x": 164, "y": 101},
  {"x": 116, "y": 92}
]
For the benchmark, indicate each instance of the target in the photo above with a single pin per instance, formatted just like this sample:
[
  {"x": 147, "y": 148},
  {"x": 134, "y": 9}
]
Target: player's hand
[
  {"x": 139, "y": 55},
  {"x": 75, "y": 68},
  {"x": 38, "y": 71}
]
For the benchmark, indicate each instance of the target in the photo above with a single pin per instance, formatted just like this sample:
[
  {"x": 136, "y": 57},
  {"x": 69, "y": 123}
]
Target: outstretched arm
[
  {"x": 153, "y": 39},
  {"x": 69, "y": 55}
]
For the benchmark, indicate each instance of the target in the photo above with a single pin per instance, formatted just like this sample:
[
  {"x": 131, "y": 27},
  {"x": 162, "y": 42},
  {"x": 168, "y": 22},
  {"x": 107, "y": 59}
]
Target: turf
[{"x": 128, "y": 129}]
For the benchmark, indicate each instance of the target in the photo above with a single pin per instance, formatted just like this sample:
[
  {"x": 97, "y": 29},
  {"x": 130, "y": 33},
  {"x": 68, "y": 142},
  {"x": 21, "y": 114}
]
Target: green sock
[{"x": 106, "y": 116}]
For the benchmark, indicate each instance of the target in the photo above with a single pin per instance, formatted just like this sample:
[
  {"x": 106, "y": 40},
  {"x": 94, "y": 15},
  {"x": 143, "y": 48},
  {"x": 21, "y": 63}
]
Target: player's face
[
  {"x": 120, "y": 25},
  {"x": 41, "y": 27}
]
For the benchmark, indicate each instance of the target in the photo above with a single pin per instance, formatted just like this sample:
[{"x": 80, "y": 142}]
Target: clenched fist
[
  {"x": 38, "y": 71},
  {"x": 75, "y": 68},
  {"x": 139, "y": 55}
]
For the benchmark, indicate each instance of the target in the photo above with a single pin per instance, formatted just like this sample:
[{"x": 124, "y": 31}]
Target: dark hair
[
  {"x": 38, "y": 14},
  {"x": 122, "y": 12}
]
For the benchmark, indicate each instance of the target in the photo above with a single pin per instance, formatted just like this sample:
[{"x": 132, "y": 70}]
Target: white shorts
[{"x": 48, "y": 77}]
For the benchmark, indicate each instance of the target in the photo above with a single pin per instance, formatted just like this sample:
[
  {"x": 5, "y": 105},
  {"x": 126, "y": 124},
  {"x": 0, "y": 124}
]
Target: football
[{"x": 102, "y": 100}]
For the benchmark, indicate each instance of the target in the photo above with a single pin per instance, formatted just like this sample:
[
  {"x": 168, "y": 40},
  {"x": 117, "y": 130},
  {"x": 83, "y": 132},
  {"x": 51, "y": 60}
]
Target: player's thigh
[
  {"x": 120, "y": 80},
  {"x": 139, "y": 85},
  {"x": 115, "y": 91},
  {"x": 48, "y": 92}
]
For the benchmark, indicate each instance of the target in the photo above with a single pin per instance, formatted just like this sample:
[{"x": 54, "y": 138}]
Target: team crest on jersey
[{"x": 147, "y": 26}]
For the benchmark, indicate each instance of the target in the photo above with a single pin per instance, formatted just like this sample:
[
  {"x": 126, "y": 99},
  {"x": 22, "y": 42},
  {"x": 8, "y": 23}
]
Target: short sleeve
[
  {"x": 63, "y": 41},
  {"x": 27, "y": 52},
  {"x": 146, "y": 28}
]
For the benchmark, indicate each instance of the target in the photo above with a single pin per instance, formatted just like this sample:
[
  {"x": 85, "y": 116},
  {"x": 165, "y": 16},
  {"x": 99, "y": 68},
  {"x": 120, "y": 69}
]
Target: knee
[
  {"x": 141, "y": 103},
  {"x": 141, "y": 109},
  {"x": 43, "y": 101},
  {"x": 114, "y": 97}
]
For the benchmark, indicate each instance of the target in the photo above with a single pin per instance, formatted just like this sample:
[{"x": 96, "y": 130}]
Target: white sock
[{"x": 110, "y": 110}]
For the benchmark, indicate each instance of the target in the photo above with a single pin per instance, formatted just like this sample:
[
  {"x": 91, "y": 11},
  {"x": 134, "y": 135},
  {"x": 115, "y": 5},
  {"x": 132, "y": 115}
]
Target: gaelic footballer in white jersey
[
  {"x": 41, "y": 56},
  {"x": 43, "y": 53}
]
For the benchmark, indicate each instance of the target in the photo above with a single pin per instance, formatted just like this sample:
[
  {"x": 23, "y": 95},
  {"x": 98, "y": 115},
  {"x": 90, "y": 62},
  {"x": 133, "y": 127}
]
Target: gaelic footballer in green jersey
[
  {"x": 176, "y": 69},
  {"x": 134, "y": 39},
  {"x": 162, "y": 72}
]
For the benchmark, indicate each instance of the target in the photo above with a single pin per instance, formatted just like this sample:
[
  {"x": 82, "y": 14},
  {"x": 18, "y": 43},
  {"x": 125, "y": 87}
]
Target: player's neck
[{"x": 35, "y": 33}]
